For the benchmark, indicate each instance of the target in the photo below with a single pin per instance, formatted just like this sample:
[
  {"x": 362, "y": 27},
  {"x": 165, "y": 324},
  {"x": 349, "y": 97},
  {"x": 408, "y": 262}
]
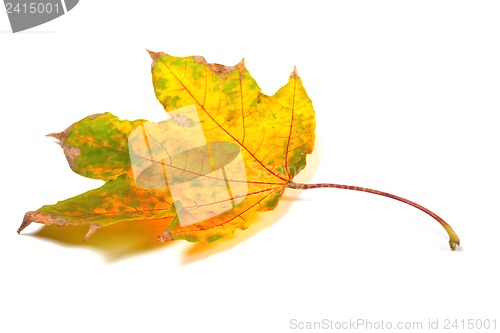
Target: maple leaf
[
  {"x": 227, "y": 152},
  {"x": 269, "y": 135}
]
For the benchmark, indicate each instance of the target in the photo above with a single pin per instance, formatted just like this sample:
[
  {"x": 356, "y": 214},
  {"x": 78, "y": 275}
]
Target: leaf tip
[
  {"x": 164, "y": 237},
  {"x": 92, "y": 229},
  {"x": 59, "y": 136},
  {"x": 294, "y": 74},
  {"x": 241, "y": 64},
  {"x": 154, "y": 56},
  {"x": 26, "y": 222},
  {"x": 44, "y": 218}
]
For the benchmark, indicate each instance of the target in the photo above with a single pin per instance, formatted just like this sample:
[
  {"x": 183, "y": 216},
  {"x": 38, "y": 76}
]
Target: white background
[{"x": 407, "y": 100}]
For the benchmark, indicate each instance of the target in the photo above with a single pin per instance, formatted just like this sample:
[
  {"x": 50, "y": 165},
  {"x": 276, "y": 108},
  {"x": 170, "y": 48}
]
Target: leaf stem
[{"x": 454, "y": 240}]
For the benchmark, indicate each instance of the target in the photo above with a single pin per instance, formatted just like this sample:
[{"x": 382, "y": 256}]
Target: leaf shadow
[
  {"x": 128, "y": 239},
  {"x": 115, "y": 242},
  {"x": 203, "y": 250}
]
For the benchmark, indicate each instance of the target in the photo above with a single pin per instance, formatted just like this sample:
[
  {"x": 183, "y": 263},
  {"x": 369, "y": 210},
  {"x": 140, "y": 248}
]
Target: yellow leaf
[{"x": 227, "y": 152}]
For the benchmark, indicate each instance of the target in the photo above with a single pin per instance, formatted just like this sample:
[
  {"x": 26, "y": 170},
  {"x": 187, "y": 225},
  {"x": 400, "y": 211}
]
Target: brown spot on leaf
[
  {"x": 182, "y": 120},
  {"x": 71, "y": 153},
  {"x": 241, "y": 65},
  {"x": 155, "y": 56},
  {"x": 218, "y": 69},
  {"x": 199, "y": 60},
  {"x": 93, "y": 228},
  {"x": 221, "y": 70},
  {"x": 44, "y": 218},
  {"x": 165, "y": 237}
]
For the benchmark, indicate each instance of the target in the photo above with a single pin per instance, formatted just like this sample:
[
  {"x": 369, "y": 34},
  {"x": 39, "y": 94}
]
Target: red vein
[
  {"x": 139, "y": 210},
  {"x": 246, "y": 210},
  {"x": 127, "y": 204},
  {"x": 222, "y": 128},
  {"x": 200, "y": 228},
  {"x": 112, "y": 124},
  {"x": 177, "y": 168},
  {"x": 290, "y": 133},
  {"x": 235, "y": 197},
  {"x": 161, "y": 145}
]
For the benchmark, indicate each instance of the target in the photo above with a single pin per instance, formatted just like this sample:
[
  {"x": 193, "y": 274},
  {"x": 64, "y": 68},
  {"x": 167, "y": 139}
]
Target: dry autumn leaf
[{"x": 227, "y": 152}]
